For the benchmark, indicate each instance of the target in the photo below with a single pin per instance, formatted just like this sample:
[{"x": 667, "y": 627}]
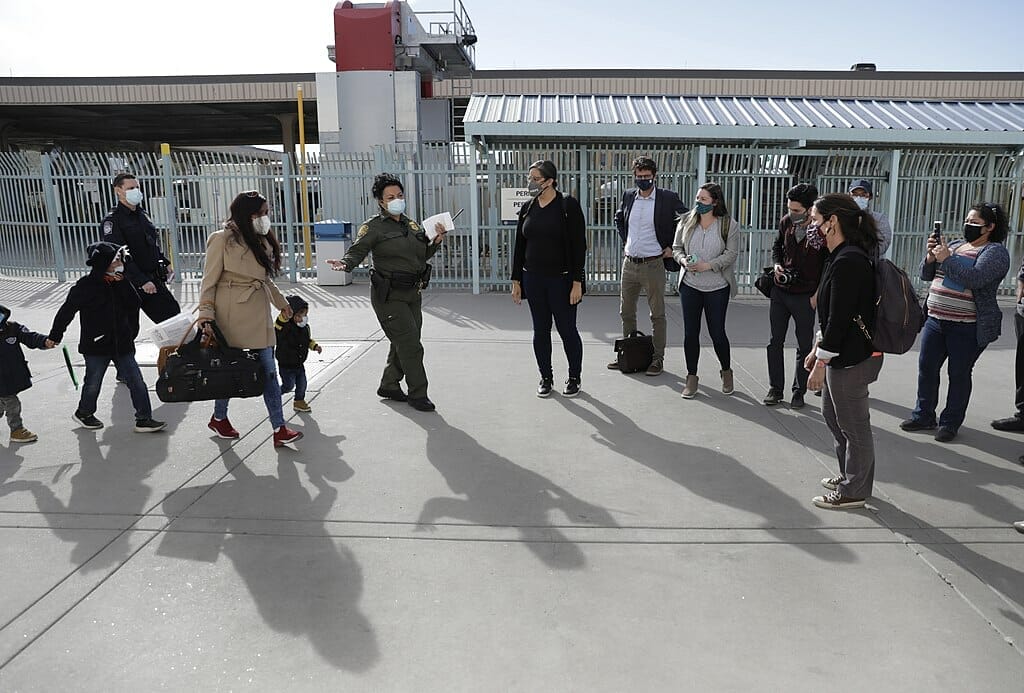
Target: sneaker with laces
[
  {"x": 544, "y": 389},
  {"x": 832, "y": 482},
  {"x": 222, "y": 427},
  {"x": 797, "y": 401},
  {"x": 149, "y": 425},
  {"x": 572, "y": 387},
  {"x": 23, "y": 435},
  {"x": 87, "y": 420},
  {"x": 656, "y": 367},
  {"x": 285, "y": 436},
  {"x": 301, "y": 406},
  {"x": 837, "y": 501},
  {"x": 773, "y": 397}
]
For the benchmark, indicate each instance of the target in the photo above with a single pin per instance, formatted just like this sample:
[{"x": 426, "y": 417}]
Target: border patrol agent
[
  {"x": 400, "y": 272},
  {"x": 150, "y": 270}
]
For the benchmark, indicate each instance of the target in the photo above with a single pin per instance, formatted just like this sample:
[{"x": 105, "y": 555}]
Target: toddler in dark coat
[
  {"x": 294, "y": 340},
  {"x": 14, "y": 374}
]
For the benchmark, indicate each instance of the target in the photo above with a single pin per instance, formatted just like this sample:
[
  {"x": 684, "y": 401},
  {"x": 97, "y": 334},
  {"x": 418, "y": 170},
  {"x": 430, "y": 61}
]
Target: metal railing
[{"x": 51, "y": 207}]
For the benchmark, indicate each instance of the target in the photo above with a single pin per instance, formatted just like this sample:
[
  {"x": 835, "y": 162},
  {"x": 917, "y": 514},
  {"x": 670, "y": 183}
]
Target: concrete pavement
[{"x": 623, "y": 540}]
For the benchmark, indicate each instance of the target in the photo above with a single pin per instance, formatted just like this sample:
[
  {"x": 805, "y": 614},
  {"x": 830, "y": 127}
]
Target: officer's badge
[
  {"x": 413, "y": 226},
  {"x": 12, "y": 340},
  {"x": 108, "y": 228},
  {"x": 362, "y": 230}
]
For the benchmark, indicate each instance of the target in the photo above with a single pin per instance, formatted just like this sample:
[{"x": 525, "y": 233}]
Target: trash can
[{"x": 333, "y": 239}]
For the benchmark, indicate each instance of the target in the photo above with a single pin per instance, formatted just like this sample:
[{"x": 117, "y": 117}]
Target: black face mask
[
  {"x": 972, "y": 232},
  {"x": 645, "y": 183}
]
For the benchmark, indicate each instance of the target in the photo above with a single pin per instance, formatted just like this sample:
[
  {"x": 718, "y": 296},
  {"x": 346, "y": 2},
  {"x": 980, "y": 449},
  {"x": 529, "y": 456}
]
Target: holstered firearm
[{"x": 380, "y": 285}]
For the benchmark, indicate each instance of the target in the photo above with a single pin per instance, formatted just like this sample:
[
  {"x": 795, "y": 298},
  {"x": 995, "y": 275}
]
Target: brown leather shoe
[{"x": 656, "y": 367}]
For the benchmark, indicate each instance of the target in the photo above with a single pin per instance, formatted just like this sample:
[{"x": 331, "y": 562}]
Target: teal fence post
[
  {"x": 52, "y": 215},
  {"x": 172, "y": 208},
  {"x": 289, "y": 214}
]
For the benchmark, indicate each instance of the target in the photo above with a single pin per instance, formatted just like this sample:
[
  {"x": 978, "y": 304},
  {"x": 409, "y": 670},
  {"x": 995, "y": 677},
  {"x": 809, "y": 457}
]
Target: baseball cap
[{"x": 861, "y": 183}]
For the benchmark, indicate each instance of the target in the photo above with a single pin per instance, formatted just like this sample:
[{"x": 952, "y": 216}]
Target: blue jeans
[
  {"x": 294, "y": 379},
  {"x": 271, "y": 392},
  {"x": 713, "y": 305},
  {"x": 548, "y": 298},
  {"x": 128, "y": 367},
  {"x": 957, "y": 342}
]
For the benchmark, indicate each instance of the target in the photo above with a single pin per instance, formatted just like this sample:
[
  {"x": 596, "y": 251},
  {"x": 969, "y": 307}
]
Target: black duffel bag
[
  {"x": 197, "y": 372},
  {"x": 634, "y": 352}
]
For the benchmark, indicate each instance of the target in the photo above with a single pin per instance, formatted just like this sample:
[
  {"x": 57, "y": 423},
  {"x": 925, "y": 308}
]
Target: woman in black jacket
[
  {"x": 843, "y": 362},
  {"x": 548, "y": 269}
]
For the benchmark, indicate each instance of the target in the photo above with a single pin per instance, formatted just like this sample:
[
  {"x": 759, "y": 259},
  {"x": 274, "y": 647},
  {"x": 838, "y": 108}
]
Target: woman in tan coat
[{"x": 238, "y": 291}]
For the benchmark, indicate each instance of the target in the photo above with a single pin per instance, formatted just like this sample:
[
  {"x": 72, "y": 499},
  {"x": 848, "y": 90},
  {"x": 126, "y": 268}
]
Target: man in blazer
[{"x": 646, "y": 222}]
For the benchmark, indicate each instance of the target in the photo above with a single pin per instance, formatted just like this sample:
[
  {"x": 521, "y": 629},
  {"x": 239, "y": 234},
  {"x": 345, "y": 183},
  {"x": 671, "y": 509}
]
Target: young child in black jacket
[
  {"x": 108, "y": 314},
  {"x": 14, "y": 374},
  {"x": 294, "y": 341}
]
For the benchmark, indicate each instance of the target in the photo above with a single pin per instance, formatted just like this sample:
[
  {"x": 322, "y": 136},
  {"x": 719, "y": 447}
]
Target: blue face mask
[
  {"x": 645, "y": 184},
  {"x": 703, "y": 208}
]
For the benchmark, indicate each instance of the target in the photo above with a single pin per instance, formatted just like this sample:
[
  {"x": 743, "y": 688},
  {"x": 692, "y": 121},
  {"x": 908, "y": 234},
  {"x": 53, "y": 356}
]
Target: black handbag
[
  {"x": 634, "y": 352},
  {"x": 766, "y": 281},
  {"x": 195, "y": 372}
]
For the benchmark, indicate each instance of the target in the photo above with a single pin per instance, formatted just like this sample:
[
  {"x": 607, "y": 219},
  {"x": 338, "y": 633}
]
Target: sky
[{"x": 154, "y": 37}]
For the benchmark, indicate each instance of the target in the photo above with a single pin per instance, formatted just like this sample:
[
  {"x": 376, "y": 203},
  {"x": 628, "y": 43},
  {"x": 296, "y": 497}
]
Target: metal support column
[
  {"x": 893, "y": 201},
  {"x": 52, "y": 215},
  {"x": 289, "y": 213},
  {"x": 990, "y": 175},
  {"x": 171, "y": 202},
  {"x": 474, "y": 216}
]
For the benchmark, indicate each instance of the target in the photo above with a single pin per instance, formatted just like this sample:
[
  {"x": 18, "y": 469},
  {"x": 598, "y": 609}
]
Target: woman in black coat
[
  {"x": 844, "y": 363},
  {"x": 548, "y": 270}
]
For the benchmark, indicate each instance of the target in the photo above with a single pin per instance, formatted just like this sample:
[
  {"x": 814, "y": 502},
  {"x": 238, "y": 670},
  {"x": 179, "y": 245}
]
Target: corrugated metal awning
[{"x": 751, "y": 118}]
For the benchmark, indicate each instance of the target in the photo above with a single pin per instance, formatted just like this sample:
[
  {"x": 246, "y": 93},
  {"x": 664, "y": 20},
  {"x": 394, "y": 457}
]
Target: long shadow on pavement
[
  {"x": 707, "y": 473},
  {"x": 497, "y": 492},
  {"x": 306, "y": 584}
]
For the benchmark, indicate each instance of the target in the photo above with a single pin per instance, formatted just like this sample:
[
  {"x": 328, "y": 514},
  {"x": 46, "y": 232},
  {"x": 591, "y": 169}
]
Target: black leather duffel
[{"x": 196, "y": 372}]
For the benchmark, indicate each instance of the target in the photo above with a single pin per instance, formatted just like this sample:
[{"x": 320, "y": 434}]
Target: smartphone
[{"x": 937, "y": 231}]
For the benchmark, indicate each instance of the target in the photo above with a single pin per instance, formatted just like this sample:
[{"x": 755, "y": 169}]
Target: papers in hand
[{"x": 430, "y": 224}]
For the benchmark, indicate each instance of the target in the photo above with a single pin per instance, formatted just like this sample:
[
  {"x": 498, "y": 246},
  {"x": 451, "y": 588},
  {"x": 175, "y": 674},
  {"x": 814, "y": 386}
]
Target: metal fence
[{"x": 51, "y": 206}]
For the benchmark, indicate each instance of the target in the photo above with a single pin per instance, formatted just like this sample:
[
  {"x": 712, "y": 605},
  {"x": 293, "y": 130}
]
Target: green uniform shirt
[{"x": 397, "y": 246}]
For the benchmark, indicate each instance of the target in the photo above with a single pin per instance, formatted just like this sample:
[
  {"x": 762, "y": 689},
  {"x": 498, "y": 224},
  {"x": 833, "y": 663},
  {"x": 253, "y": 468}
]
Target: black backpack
[
  {"x": 898, "y": 313},
  {"x": 634, "y": 352}
]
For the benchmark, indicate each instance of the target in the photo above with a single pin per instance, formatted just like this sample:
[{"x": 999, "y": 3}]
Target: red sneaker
[
  {"x": 284, "y": 435},
  {"x": 222, "y": 427}
]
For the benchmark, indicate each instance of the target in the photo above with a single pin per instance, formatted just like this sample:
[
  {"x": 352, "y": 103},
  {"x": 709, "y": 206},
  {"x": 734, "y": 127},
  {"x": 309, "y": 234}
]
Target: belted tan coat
[{"x": 238, "y": 293}]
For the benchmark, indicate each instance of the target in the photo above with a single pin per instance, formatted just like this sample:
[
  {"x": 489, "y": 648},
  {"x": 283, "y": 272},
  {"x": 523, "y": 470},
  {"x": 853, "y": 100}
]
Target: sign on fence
[{"x": 512, "y": 199}]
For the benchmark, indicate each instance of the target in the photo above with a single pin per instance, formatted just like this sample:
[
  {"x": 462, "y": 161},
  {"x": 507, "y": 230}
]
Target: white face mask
[
  {"x": 133, "y": 196},
  {"x": 302, "y": 323},
  {"x": 117, "y": 271},
  {"x": 396, "y": 207},
  {"x": 261, "y": 225},
  {"x": 862, "y": 202}
]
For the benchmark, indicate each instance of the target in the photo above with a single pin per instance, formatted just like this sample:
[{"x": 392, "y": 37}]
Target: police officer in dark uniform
[
  {"x": 150, "y": 270},
  {"x": 400, "y": 271}
]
